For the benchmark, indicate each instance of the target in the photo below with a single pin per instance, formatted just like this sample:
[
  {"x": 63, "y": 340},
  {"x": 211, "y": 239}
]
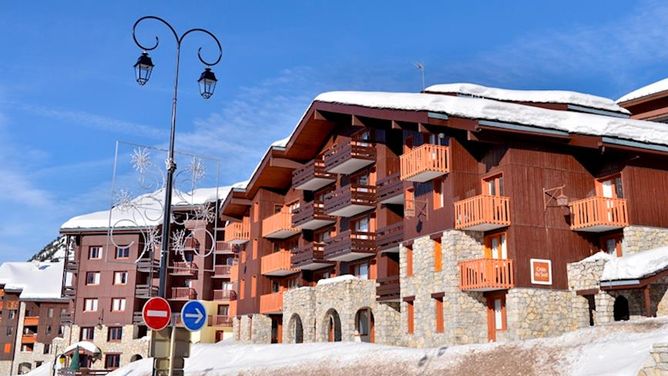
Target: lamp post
[{"x": 207, "y": 83}]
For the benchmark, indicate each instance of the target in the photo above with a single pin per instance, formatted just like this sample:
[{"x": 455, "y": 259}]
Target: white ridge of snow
[
  {"x": 637, "y": 265},
  {"x": 533, "y": 96},
  {"x": 35, "y": 280},
  {"x": 281, "y": 143},
  {"x": 598, "y": 256},
  {"x": 486, "y": 109},
  {"x": 338, "y": 278},
  {"x": 86, "y": 345},
  {"x": 653, "y": 88}
]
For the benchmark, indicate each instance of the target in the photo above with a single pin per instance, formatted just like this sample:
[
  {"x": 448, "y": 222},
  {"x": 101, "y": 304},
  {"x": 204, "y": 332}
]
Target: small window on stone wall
[{"x": 409, "y": 261}]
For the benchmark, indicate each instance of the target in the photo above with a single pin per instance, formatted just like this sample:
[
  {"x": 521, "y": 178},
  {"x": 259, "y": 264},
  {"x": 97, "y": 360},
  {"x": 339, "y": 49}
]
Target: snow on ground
[
  {"x": 653, "y": 88},
  {"x": 637, "y": 265},
  {"x": 610, "y": 350}
]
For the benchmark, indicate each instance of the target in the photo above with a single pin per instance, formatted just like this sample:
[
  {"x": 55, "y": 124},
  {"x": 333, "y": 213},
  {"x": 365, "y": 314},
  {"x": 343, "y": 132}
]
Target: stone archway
[
  {"x": 621, "y": 309},
  {"x": 295, "y": 329},
  {"x": 136, "y": 357},
  {"x": 365, "y": 325},
  {"x": 24, "y": 368},
  {"x": 332, "y": 326}
]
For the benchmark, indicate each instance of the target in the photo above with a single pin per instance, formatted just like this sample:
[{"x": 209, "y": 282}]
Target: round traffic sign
[
  {"x": 193, "y": 315},
  {"x": 157, "y": 313}
]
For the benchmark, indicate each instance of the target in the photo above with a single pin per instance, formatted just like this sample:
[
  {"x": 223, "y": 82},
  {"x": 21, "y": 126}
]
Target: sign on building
[{"x": 541, "y": 271}]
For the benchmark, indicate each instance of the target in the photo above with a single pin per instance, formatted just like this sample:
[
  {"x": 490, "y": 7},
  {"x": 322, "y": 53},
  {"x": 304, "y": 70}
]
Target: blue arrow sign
[{"x": 193, "y": 315}]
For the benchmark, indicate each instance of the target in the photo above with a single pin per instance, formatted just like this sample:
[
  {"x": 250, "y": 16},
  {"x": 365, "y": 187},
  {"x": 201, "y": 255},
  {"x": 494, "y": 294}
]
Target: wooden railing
[
  {"x": 424, "y": 163},
  {"x": 340, "y": 154},
  {"x": 223, "y": 247},
  {"x": 598, "y": 214},
  {"x": 12, "y": 304},
  {"x": 66, "y": 318},
  {"x": 148, "y": 265},
  {"x": 388, "y": 288},
  {"x": 308, "y": 254},
  {"x": 351, "y": 194},
  {"x": 486, "y": 274},
  {"x": 146, "y": 291},
  {"x": 482, "y": 212},
  {"x": 137, "y": 318},
  {"x": 390, "y": 236},
  {"x": 309, "y": 211},
  {"x": 184, "y": 268},
  {"x": 238, "y": 232},
  {"x": 31, "y": 321},
  {"x": 389, "y": 186},
  {"x": 312, "y": 170},
  {"x": 350, "y": 242},
  {"x": 277, "y": 263},
  {"x": 279, "y": 225},
  {"x": 271, "y": 303},
  {"x": 222, "y": 270},
  {"x": 222, "y": 294},
  {"x": 221, "y": 320},
  {"x": 184, "y": 293},
  {"x": 28, "y": 338}
]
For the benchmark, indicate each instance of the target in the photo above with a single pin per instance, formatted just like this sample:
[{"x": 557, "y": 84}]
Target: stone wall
[
  {"x": 255, "y": 328},
  {"x": 299, "y": 307},
  {"x": 586, "y": 274},
  {"x": 642, "y": 238},
  {"x": 5, "y": 367},
  {"x": 657, "y": 364}
]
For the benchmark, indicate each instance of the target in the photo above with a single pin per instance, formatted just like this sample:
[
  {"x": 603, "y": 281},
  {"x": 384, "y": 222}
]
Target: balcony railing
[
  {"x": 221, "y": 320},
  {"x": 12, "y": 304},
  {"x": 137, "y": 318},
  {"x": 28, "y": 338},
  {"x": 146, "y": 291},
  {"x": 598, "y": 214},
  {"x": 271, "y": 303},
  {"x": 486, "y": 275},
  {"x": 222, "y": 271},
  {"x": 350, "y": 245},
  {"x": 311, "y": 216},
  {"x": 183, "y": 293},
  {"x": 148, "y": 265},
  {"x": 223, "y": 294},
  {"x": 71, "y": 266},
  {"x": 482, "y": 213},
  {"x": 388, "y": 289},
  {"x": 238, "y": 232},
  {"x": 31, "y": 321},
  {"x": 312, "y": 176},
  {"x": 350, "y": 157},
  {"x": 277, "y": 264},
  {"x": 184, "y": 268},
  {"x": 390, "y": 190},
  {"x": 69, "y": 292},
  {"x": 425, "y": 163},
  {"x": 223, "y": 247},
  {"x": 389, "y": 237},
  {"x": 279, "y": 225},
  {"x": 310, "y": 257},
  {"x": 66, "y": 318},
  {"x": 350, "y": 200}
]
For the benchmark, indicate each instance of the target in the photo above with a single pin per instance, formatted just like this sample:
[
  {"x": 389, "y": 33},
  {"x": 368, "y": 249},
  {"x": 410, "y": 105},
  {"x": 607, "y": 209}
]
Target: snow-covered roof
[
  {"x": 34, "y": 280},
  {"x": 598, "y": 256},
  {"x": 338, "y": 278},
  {"x": 635, "y": 266},
  {"x": 653, "y": 88},
  {"x": 531, "y": 96},
  {"x": 85, "y": 345},
  {"x": 504, "y": 112}
]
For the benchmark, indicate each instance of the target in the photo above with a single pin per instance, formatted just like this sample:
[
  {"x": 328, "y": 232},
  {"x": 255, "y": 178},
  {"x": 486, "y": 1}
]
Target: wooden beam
[
  {"x": 587, "y": 292},
  {"x": 357, "y": 122},
  {"x": 422, "y": 128},
  {"x": 396, "y": 125},
  {"x": 284, "y": 163},
  {"x": 647, "y": 301},
  {"x": 241, "y": 201},
  {"x": 317, "y": 115}
]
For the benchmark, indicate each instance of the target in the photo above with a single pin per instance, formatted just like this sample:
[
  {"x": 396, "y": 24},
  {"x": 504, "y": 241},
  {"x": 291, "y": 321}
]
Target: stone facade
[
  {"x": 657, "y": 365},
  {"x": 255, "y": 328},
  {"x": 586, "y": 274},
  {"x": 5, "y": 367},
  {"x": 642, "y": 238},
  {"x": 24, "y": 360}
]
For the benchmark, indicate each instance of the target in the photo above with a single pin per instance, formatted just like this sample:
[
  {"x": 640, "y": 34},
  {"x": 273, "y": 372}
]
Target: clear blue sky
[{"x": 67, "y": 91}]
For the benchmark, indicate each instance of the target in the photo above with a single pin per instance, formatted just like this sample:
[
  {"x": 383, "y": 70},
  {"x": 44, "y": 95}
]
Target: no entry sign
[{"x": 157, "y": 313}]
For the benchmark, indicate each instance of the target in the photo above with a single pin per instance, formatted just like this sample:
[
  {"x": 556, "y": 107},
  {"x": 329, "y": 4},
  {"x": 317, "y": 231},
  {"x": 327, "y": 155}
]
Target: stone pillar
[
  {"x": 604, "y": 308},
  {"x": 261, "y": 329}
]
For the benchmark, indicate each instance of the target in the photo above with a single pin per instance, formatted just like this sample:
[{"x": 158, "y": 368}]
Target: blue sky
[{"x": 67, "y": 90}]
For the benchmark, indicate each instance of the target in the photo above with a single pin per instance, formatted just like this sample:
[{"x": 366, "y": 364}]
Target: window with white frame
[
  {"x": 90, "y": 305},
  {"x": 120, "y": 278},
  {"x": 92, "y": 278},
  {"x": 87, "y": 333},
  {"x": 361, "y": 270},
  {"x": 94, "y": 252},
  {"x": 118, "y": 304},
  {"x": 122, "y": 252}
]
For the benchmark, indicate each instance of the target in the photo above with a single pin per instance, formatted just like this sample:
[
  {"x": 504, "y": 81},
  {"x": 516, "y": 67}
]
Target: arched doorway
[
  {"x": 296, "y": 329},
  {"x": 24, "y": 368},
  {"x": 621, "y": 309},
  {"x": 135, "y": 358},
  {"x": 332, "y": 326},
  {"x": 364, "y": 325}
]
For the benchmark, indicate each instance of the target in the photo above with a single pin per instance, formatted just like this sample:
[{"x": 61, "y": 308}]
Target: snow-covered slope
[{"x": 54, "y": 251}]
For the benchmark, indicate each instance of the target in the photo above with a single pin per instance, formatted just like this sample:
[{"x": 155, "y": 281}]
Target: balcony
[
  {"x": 390, "y": 190},
  {"x": 31, "y": 321},
  {"x": 389, "y": 237},
  {"x": 182, "y": 268},
  {"x": 277, "y": 264},
  {"x": 486, "y": 275},
  {"x": 222, "y": 271},
  {"x": 598, "y": 214},
  {"x": 310, "y": 257},
  {"x": 146, "y": 291},
  {"x": 69, "y": 292},
  {"x": 221, "y": 320},
  {"x": 28, "y": 338},
  {"x": 66, "y": 318},
  {"x": 482, "y": 213},
  {"x": 388, "y": 289},
  {"x": 224, "y": 294},
  {"x": 238, "y": 232},
  {"x": 350, "y": 200},
  {"x": 312, "y": 176},
  {"x": 223, "y": 247},
  {"x": 424, "y": 163},
  {"x": 350, "y": 157},
  {"x": 71, "y": 266},
  {"x": 148, "y": 266},
  {"x": 279, "y": 225},
  {"x": 350, "y": 246},
  {"x": 137, "y": 318},
  {"x": 271, "y": 303},
  {"x": 311, "y": 216},
  {"x": 183, "y": 293}
]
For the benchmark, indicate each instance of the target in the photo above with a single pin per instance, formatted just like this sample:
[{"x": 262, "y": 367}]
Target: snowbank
[
  {"x": 598, "y": 256},
  {"x": 35, "y": 280},
  {"x": 532, "y": 96},
  {"x": 345, "y": 277},
  {"x": 636, "y": 266},
  {"x": 653, "y": 88}
]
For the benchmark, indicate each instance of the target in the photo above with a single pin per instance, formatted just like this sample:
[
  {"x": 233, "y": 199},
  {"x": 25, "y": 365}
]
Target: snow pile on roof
[
  {"x": 338, "y": 278},
  {"x": 281, "y": 143},
  {"x": 35, "y": 280},
  {"x": 533, "y": 96},
  {"x": 88, "y": 346},
  {"x": 43, "y": 370},
  {"x": 639, "y": 265},
  {"x": 598, "y": 256},
  {"x": 486, "y": 109},
  {"x": 653, "y": 88}
]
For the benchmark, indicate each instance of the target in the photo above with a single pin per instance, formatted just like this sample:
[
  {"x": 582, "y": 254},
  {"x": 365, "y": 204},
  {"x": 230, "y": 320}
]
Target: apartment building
[
  {"x": 30, "y": 310},
  {"x": 443, "y": 217},
  {"x": 111, "y": 271}
]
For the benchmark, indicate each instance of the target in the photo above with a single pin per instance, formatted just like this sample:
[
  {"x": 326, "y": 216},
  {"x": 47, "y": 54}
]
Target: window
[
  {"x": 92, "y": 278},
  {"x": 409, "y": 261},
  {"x": 223, "y": 310},
  {"x": 48, "y": 329},
  {"x": 362, "y": 224},
  {"x": 49, "y": 313},
  {"x": 9, "y": 331},
  {"x": 438, "y": 189},
  {"x": 118, "y": 304},
  {"x": 612, "y": 245},
  {"x": 361, "y": 270},
  {"x": 438, "y": 306},
  {"x": 495, "y": 246},
  {"x": 112, "y": 361},
  {"x": 120, "y": 278},
  {"x": 114, "y": 333},
  {"x": 293, "y": 283},
  {"x": 438, "y": 255},
  {"x": 253, "y": 286},
  {"x": 275, "y": 287},
  {"x": 12, "y": 314},
  {"x": 94, "y": 253},
  {"x": 610, "y": 187},
  {"x": 123, "y": 252},
  {"x": 410, "y": 317},
  {"x": 47, "y": 348},
  {"x": 87, "y": 333},
  {"x": 493, "y": 186},
  {"x": 61, "y": 330},
  {"x": 90, "y": 305},
  {"x": 500, "y": 313}
]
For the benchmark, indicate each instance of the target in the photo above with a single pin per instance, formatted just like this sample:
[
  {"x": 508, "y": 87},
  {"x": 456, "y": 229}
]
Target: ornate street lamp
[
  {"x": 207, "y": 83},
  {"x": 143, "y": 68}
]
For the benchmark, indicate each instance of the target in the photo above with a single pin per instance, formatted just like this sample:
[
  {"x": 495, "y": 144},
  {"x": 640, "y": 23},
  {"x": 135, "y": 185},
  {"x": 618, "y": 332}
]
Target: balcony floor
[
  {"x": 350, "y": 166},
  {"x": 397, "y": 199},
  {"x": 280, "y": 272},
  {"x": 598, "y": 228},
  {"x": 238, "y": 241},
  {"x": 351, "y": 256},
  {"x": 425, "y": 176},
  {"x": 315, "y": 184},
  {"x": 315, "y": 265},
  {"x": 351, "y": 210},
  {"x": 282, "y": 234},
  {"x": 484, "y": 227}
]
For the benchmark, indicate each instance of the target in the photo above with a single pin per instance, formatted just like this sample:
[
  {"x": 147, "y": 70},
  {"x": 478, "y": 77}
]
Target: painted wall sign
[{"x": 541, "y": 272}]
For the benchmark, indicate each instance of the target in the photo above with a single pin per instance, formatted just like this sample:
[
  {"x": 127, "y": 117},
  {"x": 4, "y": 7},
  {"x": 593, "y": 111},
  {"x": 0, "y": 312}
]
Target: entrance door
[
  {"x": 277, "y": 329},
  {"x": 495, "y": 247},
  {"x": 496, "y": 315}
]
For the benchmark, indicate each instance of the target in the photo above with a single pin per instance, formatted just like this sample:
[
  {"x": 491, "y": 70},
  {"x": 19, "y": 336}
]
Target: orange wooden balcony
[
  {"x": 388, "y": 289},
  {"x": 31, "y": 321},
  {"x": 183, "y": 293},
  {"x": 389, "y": 237},
  {"x": 486, "y": 275},
  {"x": 223, "y": 247},
  {"x": 482, "y": 213},
  {"x": 312, "y": 176},
  {"x": 221, "y": 320},
  {"x": 349, "y": 157},
  {"x": 277, "y": 264},
  {"x": 311, "y": 216},
  {"x": 350, "y": 246},
  {"x": 238, "y": 232},
  {"x": 222, "y": 271},
  {"x": 310, "y": 257},
  {"x": 390, "y": 190},
  {"x": 425, "y": 163},
  {"x": 279, "y": 225},
  {"x": 350, "y": 200},
  {"x": 28, "y": 338},
  {"x": 12, "y": 304},
  {"x": 271, "y": 303},
  {"x": 598, "y": 214}
]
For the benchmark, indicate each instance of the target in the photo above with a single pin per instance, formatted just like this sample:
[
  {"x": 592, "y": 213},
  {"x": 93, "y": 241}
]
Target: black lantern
[
  {"x": 143, "y": 68},
  {"x": 207, "y": 83}
]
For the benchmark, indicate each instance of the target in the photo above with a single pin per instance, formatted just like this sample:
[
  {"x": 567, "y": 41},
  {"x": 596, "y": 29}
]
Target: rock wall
[
  {"x": 254, "y": 328},
  {"x": 5, "y": 367},
  {"x": 641, "y": 238},
  {"x": 585, "y": 274},
  {"x": 657, "y": 365}
]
